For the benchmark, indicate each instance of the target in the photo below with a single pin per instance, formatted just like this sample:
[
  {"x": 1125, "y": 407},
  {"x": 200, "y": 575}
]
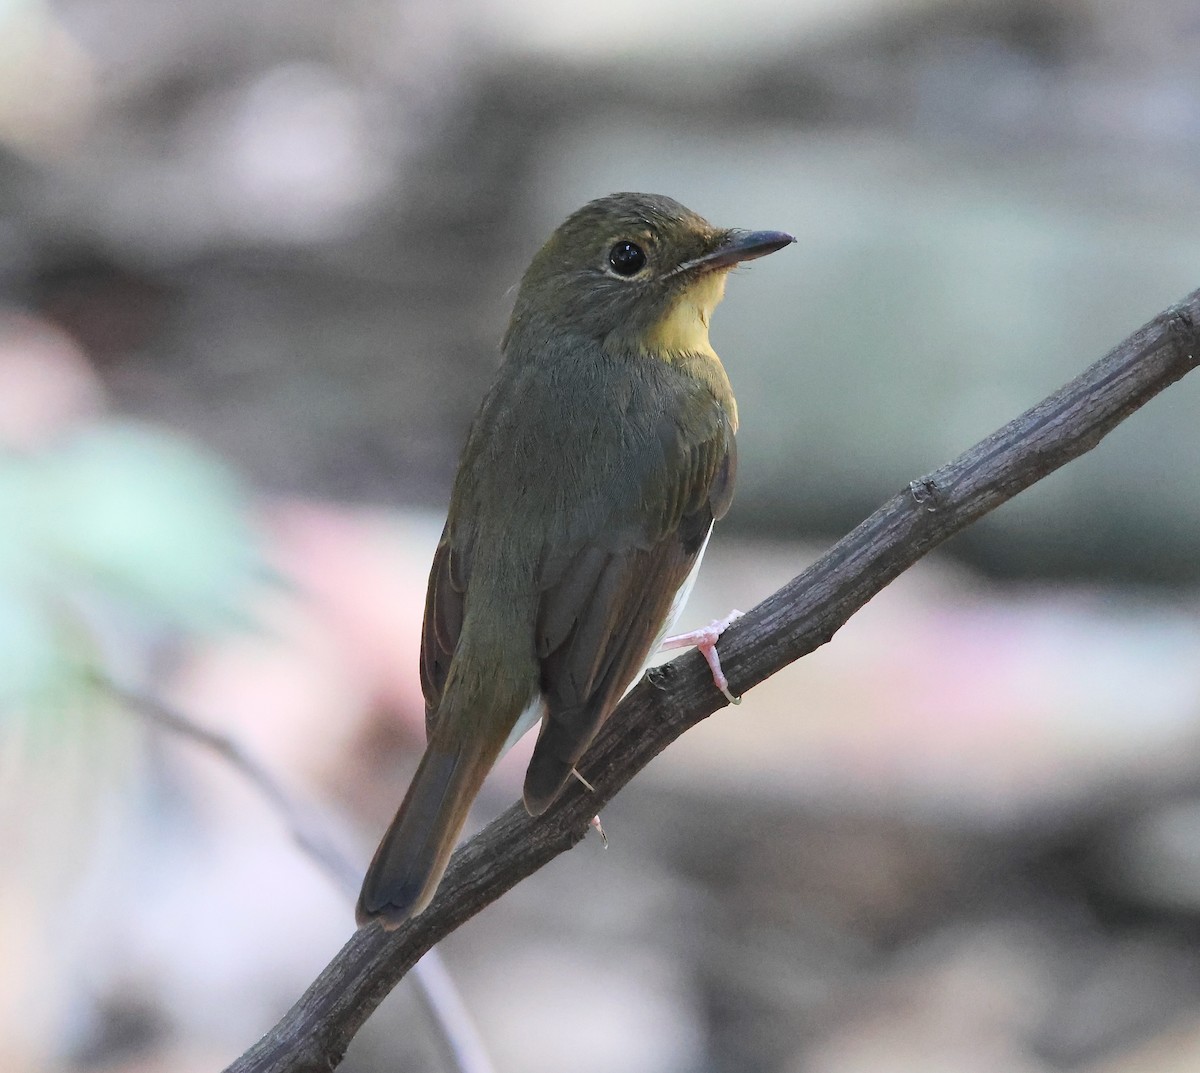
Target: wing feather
[
  {"x": 594, "y": 636},
  {"x": 444, "y": 602}
]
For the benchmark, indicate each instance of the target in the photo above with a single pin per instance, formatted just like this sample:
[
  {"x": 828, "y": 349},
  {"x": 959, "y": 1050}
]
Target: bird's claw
[
  {"x": 705, "y": 640},
  {"x": 595, "y": 822}
]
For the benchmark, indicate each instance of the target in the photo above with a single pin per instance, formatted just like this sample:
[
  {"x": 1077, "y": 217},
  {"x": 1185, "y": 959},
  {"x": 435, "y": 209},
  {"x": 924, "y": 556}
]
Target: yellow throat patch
[
  {"x": 681, "y": 338},
  {"x": 684, "y": 329}
]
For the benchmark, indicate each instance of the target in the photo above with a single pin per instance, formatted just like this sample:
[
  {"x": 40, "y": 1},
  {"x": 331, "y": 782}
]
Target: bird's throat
[
  {"x": 681, "y": 338},
  {"x": 684, "y": 327}
]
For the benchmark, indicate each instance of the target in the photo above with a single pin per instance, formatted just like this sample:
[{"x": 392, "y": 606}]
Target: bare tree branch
[
  {"x": 800, "y": 617},
  {"x": 455, "y": 1029},
  {"x": 306, "y": 829}
]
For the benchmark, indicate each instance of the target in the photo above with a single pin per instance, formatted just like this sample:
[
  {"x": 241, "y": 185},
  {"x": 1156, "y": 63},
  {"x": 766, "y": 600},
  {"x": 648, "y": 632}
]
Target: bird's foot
[{"x": 705, "y": 639}]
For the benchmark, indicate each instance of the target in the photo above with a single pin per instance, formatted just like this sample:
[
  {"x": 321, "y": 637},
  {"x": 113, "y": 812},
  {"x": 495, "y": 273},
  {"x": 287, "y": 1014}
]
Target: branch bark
[{"x": 803, "y": 615}]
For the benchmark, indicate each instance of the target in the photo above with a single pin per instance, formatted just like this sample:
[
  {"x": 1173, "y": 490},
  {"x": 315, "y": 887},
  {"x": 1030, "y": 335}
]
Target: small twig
[
  {"x": 435, "y": 987},
  {"x": 307, "y": 832},
  {"x": 312, "y": 1037}
]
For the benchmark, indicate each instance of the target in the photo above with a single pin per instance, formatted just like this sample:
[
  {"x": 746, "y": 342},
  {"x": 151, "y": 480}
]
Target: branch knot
[{"x": 927, "y": 494}]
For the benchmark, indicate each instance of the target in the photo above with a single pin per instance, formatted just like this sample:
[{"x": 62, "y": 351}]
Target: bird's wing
[
  {"x": 606, "y": 595},
  {"x": 443, "y": 621}
]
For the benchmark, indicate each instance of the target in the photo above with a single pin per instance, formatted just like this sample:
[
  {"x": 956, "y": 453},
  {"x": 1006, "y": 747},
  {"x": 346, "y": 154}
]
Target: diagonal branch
[
  {"x": 436, "y": 990},
  {"x": 800, "y": 617}
]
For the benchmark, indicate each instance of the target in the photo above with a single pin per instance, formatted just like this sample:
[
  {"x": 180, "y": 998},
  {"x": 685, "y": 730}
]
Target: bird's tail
[{"x": 409, "y": 862}]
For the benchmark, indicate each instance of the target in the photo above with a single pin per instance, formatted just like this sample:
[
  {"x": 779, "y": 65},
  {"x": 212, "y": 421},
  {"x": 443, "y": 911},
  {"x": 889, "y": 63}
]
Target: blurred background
[{"x": 256, "y": 261}]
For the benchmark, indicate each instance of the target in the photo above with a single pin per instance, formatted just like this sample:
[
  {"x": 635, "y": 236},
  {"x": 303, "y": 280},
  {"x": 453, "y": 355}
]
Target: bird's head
[{"x": 634, "y": 271}]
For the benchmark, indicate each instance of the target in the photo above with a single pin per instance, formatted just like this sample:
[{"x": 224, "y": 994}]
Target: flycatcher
[{"x": 583, "y": 502}]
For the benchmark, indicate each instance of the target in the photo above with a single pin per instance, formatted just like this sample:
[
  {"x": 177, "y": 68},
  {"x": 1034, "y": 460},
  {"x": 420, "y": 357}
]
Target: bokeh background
[{"x": 256, "y": 260}]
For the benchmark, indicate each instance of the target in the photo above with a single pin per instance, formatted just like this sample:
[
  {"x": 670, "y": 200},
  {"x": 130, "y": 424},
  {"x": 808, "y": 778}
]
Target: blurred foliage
[{"x": 122, "y": 528}]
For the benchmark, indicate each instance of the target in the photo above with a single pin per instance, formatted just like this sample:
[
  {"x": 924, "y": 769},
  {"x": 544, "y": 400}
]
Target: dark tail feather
[
  {"x": 544, "y": 779},
  {"x": 564, "y": 736},
  {"x": 409, "y": 862}
]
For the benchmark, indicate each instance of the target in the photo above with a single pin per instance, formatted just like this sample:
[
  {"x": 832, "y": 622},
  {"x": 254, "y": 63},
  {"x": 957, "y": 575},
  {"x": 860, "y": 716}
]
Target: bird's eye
[{"x": 627, "y": 258}]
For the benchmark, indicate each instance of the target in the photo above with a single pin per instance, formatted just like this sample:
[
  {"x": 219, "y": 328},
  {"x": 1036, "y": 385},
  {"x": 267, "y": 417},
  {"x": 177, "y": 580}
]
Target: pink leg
[{"x": 705, "y": 640}]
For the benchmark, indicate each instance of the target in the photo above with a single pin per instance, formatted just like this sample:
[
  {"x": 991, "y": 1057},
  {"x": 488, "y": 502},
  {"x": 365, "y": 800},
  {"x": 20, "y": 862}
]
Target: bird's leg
[{"x": 705, "y": 639}]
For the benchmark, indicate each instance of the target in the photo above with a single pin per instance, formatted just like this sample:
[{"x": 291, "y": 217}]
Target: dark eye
[{"x": 627, "y": 258}]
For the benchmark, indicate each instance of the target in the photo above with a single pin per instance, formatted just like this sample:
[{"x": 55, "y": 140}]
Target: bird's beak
[{"x": 738, "y": 246}]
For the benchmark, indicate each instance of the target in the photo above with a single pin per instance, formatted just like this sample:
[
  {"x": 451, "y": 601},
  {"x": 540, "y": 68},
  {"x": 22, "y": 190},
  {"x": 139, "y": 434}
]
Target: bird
[{"x": 583, "y": 502}]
